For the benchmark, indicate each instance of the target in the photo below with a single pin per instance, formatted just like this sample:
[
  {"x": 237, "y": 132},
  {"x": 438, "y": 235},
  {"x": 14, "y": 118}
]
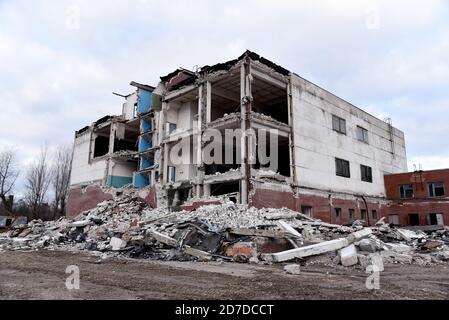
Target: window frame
[
  {"x": 338, "y": 213},
  {"x": 404, "y": 196},
  {"x": 431, "y": 189},
  {"x": 351, "y": 214},
  {"x": 307, "y": 207},
  {"x": 343, "y": 172},
  {"x": 374, "y": 214},
  {"x": 362, "y": 134},
  {"x": 338, "y": 124},
  {"x": 363, "y": 214},
  {"x": 363, "y": 173}
]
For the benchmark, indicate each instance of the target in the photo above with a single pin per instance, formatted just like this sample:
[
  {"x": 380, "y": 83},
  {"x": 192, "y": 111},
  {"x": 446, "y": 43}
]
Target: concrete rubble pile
[{"x": 126, "y": 226}]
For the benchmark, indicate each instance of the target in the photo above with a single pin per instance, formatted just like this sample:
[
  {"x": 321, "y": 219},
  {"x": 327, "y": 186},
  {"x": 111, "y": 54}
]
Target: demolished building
[{"x": 331, "y": 155}]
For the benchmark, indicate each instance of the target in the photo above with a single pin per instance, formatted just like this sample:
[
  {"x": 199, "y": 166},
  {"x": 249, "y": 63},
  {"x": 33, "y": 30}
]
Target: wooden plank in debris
[
  {"x": 258, "y": 233},
  {"x": 307, "y": 251},
  {"x": 284, "y": 225},
  {"x": 162, "y": 238}
]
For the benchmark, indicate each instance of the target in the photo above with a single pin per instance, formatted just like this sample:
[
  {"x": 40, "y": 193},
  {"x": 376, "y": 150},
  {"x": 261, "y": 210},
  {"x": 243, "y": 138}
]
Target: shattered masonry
[
  {"x": 248, "y": 92},
  {"x": 125, "y": 226}
]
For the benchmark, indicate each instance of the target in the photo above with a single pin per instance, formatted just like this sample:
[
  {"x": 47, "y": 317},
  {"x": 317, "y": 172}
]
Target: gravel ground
[{"x": 41, "y": 275}]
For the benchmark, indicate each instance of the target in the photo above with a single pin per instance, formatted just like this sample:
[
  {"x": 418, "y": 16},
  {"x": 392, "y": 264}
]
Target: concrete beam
[
  {"x": 180, "y": 92},
  {"x": 224, "y": 94},
  {"x": 268, "y": 78}
]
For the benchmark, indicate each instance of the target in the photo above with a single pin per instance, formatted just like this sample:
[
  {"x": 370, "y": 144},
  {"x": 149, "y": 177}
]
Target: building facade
[
  {"x": 418, "y": 198},
  {"x": 331, "y": 157}
]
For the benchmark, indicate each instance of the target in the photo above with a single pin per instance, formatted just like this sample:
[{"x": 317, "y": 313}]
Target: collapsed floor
[{"x": 125, "y": 226}]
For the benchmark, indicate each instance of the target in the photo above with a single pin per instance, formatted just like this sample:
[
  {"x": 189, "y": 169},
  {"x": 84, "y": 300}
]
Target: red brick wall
[
  {"x": 322, "y": 207},
  {"x": 151, "y": 198},
  {"x": 421, "y": 204},
  {"x": 80, "y": 199},
  {"x": 421, "y": 207},
  {"x": 419, "y": 180}
]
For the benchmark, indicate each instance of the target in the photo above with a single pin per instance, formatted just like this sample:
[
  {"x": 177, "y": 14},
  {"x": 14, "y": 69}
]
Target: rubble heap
[{"x": 126, "y": 226}]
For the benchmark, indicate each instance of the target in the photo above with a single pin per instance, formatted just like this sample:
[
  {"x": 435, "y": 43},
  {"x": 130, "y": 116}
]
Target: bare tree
[
  {"x": 8, "y": 175},
  {"x": 61, "y": 170},
  {"x": 38, "y": 179}
]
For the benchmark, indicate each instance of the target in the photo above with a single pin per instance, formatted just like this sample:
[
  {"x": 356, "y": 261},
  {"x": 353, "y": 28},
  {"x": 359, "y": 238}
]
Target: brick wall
[{"x": 323, "y": 208}]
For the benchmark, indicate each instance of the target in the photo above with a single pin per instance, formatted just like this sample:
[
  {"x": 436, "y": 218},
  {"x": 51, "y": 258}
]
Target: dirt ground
[{"x": 41, "y": 275}]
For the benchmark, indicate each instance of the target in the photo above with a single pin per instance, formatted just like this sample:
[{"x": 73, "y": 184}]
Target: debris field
[{"x": 126, "y": 226}]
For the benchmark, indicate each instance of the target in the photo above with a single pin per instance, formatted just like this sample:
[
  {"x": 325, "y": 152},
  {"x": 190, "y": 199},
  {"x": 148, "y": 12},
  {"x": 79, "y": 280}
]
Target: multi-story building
[{"x": 330, "y": 156}]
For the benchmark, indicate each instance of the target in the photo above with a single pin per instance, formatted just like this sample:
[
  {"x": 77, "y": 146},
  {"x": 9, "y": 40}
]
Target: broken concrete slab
[
  {"x": 394, "y": 257},
  {"x": 162, "y": 238},
  {"x": 367, "y": 245},
  {"x": 294, "y": 269},
  {"x": 284, "y": 225},
  {"x": 318, "y": 248},
  {"x": 348, "y": 256},
  {"x": 399, "y": 247},
  {"x": 259, "y": 233},
  {"x": 80, "y": 224},
  {"x": 307, "y": 251},
  {"x": 117, "y": 244}
]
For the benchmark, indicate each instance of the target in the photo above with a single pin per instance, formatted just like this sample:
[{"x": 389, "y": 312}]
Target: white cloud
[{"x": 55, "y": 79}]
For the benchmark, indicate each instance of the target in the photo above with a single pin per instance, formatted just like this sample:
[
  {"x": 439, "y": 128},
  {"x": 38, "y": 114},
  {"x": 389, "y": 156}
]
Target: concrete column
[
  {"x": 245, "y": 107},
  {"x": 208, "y": 102},
  {"x": 207, "y": 190},
  {"x": 112, "y": 137}
]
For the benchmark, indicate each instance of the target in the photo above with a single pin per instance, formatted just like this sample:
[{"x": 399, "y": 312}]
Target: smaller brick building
[{"x": 418, "y": 198}]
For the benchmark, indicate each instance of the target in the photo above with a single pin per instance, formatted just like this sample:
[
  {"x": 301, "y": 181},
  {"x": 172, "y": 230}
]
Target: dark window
[
  {"x": 171, "y": 127},
  {"x": 351, "y": 214},
  {"x": 366, "y": 173},
  {"x": 406, "y": 191},
  {"x": 101, "y": 146},
  {"x": 413, "y": 219},
  {"x": 339, "y": 124},
  {"x": 374, "y": 214},
  {"x": 135, "y": 110},
  {"x": 436, "y": 189},
  {"x": 362, "y": 134},
  {"x": 306, "y": 210},
  {"x": 363, "y": 214},
  {"x": 342, "y": 168},
  {"x": 337, "y": 213}
]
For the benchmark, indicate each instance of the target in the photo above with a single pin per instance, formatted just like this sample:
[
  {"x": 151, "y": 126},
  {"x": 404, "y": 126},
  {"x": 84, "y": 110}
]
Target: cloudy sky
[{"x": 61, "y": 60}]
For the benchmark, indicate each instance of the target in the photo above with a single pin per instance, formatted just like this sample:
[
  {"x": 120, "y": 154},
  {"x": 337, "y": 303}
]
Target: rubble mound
[{"x": 126, "y": 226}]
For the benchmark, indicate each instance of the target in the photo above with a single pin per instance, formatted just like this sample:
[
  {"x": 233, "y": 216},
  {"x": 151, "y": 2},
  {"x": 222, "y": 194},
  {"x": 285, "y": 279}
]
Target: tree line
[{"x": 46, "y": 183}]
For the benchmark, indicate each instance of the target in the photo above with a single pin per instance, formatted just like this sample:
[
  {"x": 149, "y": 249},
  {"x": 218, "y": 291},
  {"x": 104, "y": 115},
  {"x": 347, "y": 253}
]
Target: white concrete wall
[
  {"x": 121, "y": 169},
  {"x": 185, "y": 168},
  {"x": 182, "y": 114},
  {"x": 82, "y": 171},
  {"x": 317, "y": 144},
  {"x": 128, "y": 106}
]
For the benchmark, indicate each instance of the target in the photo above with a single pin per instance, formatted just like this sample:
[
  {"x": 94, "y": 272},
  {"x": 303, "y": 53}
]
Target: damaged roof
[
  {"x": 253, "y": 56},
  {"x": 182, "y": 77},
  {"x": 142, "y": 86}
]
